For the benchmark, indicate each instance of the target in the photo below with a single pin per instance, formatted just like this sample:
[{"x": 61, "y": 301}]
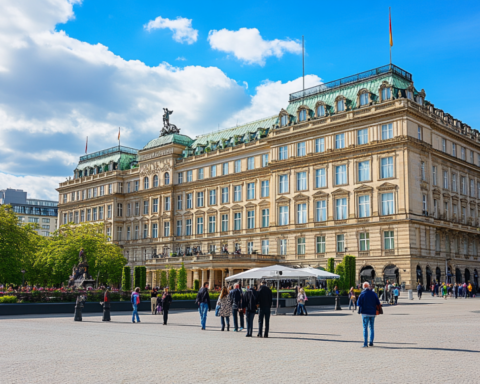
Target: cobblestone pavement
[{"x": 432, "y": 340}]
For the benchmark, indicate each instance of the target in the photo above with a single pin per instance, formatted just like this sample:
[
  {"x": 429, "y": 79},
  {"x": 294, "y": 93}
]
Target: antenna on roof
[{"x": 303, "y": 64}]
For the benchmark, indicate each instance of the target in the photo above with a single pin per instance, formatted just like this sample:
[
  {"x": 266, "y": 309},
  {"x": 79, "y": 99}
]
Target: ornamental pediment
[
  {"x": 320, "y": 194},
  {"x": 211, "y": 210},
  {"x": 340, "y": 191},
  {"x": 250, "y": 205},
  {"x": 283, "y": 199},
  {"x": 264, "y": 202},
  {"x": 300, "y": 196},
  {"x": 363, "y": 188},
  {"x": 386, "y": 186},
  {"x": 236, "y": 206},
  {"x": 199, "y": 212},
  {"x": 224, "y": 209}
]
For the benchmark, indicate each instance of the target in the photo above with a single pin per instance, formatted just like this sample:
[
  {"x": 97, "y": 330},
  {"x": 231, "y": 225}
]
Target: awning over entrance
[
  {"x": 366, "y": 272},
  {"x": 390, "y": 271}
]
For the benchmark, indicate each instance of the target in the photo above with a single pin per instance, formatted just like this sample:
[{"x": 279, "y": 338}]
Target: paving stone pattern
[{"x": 427, "y": 341}]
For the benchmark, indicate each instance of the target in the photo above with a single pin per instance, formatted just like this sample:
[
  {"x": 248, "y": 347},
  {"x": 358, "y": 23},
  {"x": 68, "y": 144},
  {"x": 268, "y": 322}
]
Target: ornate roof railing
[
  {"x": 389, "y": 68},
  {"x": 118, "y": 148}
]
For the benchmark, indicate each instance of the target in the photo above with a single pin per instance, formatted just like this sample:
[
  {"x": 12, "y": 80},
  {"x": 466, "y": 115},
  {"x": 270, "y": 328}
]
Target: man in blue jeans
[
  {"x": 135, "y": 299},
  {"x": 367, "y": 307},
  {"x": 203, "y": 302}
]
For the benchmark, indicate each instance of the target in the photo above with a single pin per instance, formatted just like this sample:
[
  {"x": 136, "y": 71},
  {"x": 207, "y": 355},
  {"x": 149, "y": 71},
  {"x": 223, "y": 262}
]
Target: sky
[{"x": 71, "y": 69}]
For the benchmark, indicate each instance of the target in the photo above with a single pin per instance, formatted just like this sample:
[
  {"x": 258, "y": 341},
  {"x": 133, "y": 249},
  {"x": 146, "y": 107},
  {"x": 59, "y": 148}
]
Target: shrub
[
  {"x": 350, "y": 270},
  {"x": 8, "y": 299},
  {"x": 172, "y": 279},
  {"x": 126, "y": 280},
  {"x": 285, "y": 295},
  {"x": 163, "y": 279},
  {"x": 136, "y": 277},
  {"x": 315, "y": 292},
  {"x": 182, "y": 278},
  {"x": 196, "y": 285}
]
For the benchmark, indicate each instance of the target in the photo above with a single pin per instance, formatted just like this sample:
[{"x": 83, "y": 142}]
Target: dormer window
[
  {"x": 321, "y": 110},
  {"x": 420, "y": 100},
  {"x": 386, "y": 94},
  {"x": 302, "y": 115},
  {"x": 340, "y": 105},
  {"x": 364, "y": 99},
  {"x": 284, "y": 120},
  {"x": 409, "y": 95}
]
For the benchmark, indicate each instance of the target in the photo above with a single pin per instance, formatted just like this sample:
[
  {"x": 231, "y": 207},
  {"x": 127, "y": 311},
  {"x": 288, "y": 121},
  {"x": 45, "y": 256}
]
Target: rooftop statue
[{"x": 168, "y": 128}]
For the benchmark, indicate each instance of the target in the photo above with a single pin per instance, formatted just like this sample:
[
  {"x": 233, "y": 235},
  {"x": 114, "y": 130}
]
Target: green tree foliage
[
  {"x": 143, "y": 277},
  {"x": 340, "y": 270},
  {"x": 182, "y": 278},
  {"x": 58, "y": 254},
  {"x": 172, "y": 279},
  {"x": 18, "y": 245},
  {"x": 126, "y": 279},
  {"x": 196, "y": 285},
  {"x": 331, "y": 268},
  {"x": 163, "y": 279},
  {"x": 137, "y": 280},
  {"x": 350, "y": 270}
]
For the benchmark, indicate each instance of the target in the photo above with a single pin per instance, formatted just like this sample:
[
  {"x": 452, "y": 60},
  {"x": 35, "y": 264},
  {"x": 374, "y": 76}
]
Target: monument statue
[
  {"x": 81, "y": 277},
  {"x": 168, "y": 128}
]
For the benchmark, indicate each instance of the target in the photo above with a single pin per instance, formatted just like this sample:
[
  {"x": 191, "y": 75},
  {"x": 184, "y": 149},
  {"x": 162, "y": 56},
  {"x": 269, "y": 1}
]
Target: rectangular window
[
  {"x": 321, "y": 210},
  {"x": 250, "y": 219},
  {"x": 265, "y": 218},
  {"x": 445, "y": 179},
  {"x": 341, "y": 208},
  {"x": 166, "y": 229},
  {"x": 238, "y": 166},
  {"x": 145, "y": 231},
  {"x": 199, "y": 225},
  {"x": 265, "y": 247},
  {"x": 320, "y": 145},
  {"x": 213, "y": 197},
  {"x": 155, "y": 231},
  {"x": 188, "y": 227},
  {"x": 180, "y": 177},
  {"x": 82, "y": 216},
  {"x": 110, "y": 190},
  {"x": 434, "y": 175},
  {"x": 320, "y": 244},
  {"x": 444, "y": 145},
  {"x": 419, "y": 133},
  {"x": 301, "y": 181},
  {"x": 283, "y": 247},
  {"x": 237, "y": 221},
  {"x": 200, "y": 201},
  {"x": 388, "y": 240},
  {"x": 283, "y": 181},
  {"x": 250, "y": 247},
  {"x": 301, "y": 246},
  {"x": 225, "y": 169},
  {"x": 472, "y": 188},
  {"x": 362, "y": 136},
  {"x": 189, "y": 176},
  {"x": 340, "y": 243},
  {"x": 462, "y": 149},
  {"x": 435, "y": 208},
  {"x": 445, "y": 210},
  {"x": 386, "y": 167},
  {"x": 211, "y": 224},
  {"x": 136, "y": 233},
  {"x": 95, "y": 192},
  {"x": 364, "y": 206},
  {"x": 454, "y": 150},
  {"x": 128, "y": 233},
  {"x": 137, "y": 182},
  {"x": 283, "y": 153},
  {"x": 425, "y": 205},
  {"x": 386, "y": 94},
  {"x": 364, "y": 241},
  {"x": 320, "y": 178},
  {"x": 179, "y": 227},
  {"x": 179, "y": 202},
  {"x": 250, "y": 191},
  {"x": 471, "y": 157},
  {"x": 224, "y": 195},
  {"x": 422, "y": 171},
  {"x": 364, "y": 171},
  {"x": 109, "y": 233},
  {"x": 341, "y": 174},
  {"x": 145, "y": 207},
  {"x": 213, "y": 171},
  {"x": 167, "y": 203},
  {"x": 128, "y": 191},
  {"x": 387, "y": 131},
  {"x": 237, "y": 193},
  {"x": 119, "y": 233},
  {"x": 340, "y": 141},
  {"x": 301, "y": 151},
  {"x": 102, "y": 190},
  {"x": 100, "y": 213},
  {"x": 302, "y": 213},
  {"x": 265, "y": 188},
  {"x": 200, "y": 173},
  {"x": 283, "y": 215},
  {"x": 89, "y": 195},
  {"x": 478, "y": 190},
  {"x": 464, "y": 214},
  {"x": 224, "y": 223},
  {"x": 109, "y": 212},
  {"x": 119, "y": 210},
  {"x": 189, "y": 201},
  {"x": 387, "y": 204},
  {"x": 454, "y": 182},
  {"x": 265, "y": 160},
  {"x": 463, "y": 185},
  {"x": 94, "y": 213},
  {"x": 250, "y": 163}
]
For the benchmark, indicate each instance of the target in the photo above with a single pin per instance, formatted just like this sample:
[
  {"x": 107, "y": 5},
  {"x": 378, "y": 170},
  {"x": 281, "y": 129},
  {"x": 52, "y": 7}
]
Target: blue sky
[{"x": 69, "y": 69}]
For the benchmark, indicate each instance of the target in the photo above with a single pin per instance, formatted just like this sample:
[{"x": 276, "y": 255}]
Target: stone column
[
  {"x": 211, "y": 279},
  {"x": 204, "y": 277},
  {"x": 223, "y": 277}
]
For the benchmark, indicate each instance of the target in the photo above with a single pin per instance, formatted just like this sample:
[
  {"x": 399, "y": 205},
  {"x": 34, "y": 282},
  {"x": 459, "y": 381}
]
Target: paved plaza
[{"x": 432, "y": 340}]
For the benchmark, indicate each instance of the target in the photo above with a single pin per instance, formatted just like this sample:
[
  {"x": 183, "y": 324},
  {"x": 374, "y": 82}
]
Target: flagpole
[
  {"x": 303, "y": 64},
  {"x": 390, "y": 31}
]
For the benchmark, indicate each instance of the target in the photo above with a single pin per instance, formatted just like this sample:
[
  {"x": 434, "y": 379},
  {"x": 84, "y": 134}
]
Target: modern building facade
[
  {"x": 363, "y": 165},
  {"x": 33, "y": 211}
]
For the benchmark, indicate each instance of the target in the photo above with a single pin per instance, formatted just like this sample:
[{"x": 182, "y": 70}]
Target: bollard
[
  {"x": 337, "y": 303},
  {"x": 410, "y": 294}
]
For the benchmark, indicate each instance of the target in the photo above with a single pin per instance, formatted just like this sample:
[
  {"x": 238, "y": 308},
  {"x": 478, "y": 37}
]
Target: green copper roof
[
  {"x": 231, "y": 132},
  {"x": 122, "y": 159},
  {"x": 174, "y": 138},
  {"x": 350, "y": 92}
]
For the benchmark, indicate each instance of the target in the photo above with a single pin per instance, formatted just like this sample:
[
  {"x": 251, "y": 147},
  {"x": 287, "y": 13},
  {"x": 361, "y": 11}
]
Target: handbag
[
  {"x": 217, "y": 311},
  {"x": 379, "y": 310}
]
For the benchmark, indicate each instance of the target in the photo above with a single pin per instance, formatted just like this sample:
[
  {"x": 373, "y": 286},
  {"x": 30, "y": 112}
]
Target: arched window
[
  {"x": 364, "y": 99},
  {"x": 302, "y": 115},
  {"x": 167, "y": 178},
  {"x": 321, "y": 110},
  {"x": 340, "y": 105},
  {"x": 145, "y": 183},
  {"x": 284, "y": 120},
  {"x": 155, "y": 181}
]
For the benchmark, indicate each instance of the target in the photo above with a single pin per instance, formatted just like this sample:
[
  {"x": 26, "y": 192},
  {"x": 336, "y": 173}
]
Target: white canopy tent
[{"x": 320, "y": 275}]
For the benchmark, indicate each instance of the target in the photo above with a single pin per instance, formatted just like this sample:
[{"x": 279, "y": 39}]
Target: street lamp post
[{"x": 23, "y": 277}]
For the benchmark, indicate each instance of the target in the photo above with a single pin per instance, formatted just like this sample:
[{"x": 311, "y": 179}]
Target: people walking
[
  {"x": 153, "y": 300},
  {"x": 203, "y": 302},
  {"x": 455, "y": 290},
  {"x": 464, "y": 290},
  {"x": 225, "y": 308},
  {"x": 367, "y": 307},
  {"x": 352, "y": 299},
  {"x": 166, "y": 301},
  {"x": 301, "y": 302},
  {"x": 396, "y": 293},
  {"x": 265, "y": 299},
  {"x": 419, "y": 290},
  {"x": 469, "y": 289},
  {"x": 236, "y": 300},
  {"x": 135, "y": 299},
  {"x": 250, "y": 298},
  {"x": 106, "y": 305}
]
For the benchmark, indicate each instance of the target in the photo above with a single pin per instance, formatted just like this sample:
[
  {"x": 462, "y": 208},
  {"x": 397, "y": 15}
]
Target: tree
[
  {"x": 331, "y": 268},
  {"x": 172, "y": 279},
  {"x": 182, "y": 278},
  {"x": 18, "y": 245},
  {"x": 126, "y": 279},
  {"x": 350, "y": 270},
  {"x": 143, "y": 277},
  {"x": 196, "y": 285},
  {"x": 137, "y": 277},
  {"x": 163, "y": 279},
  {"x": 340, "y": 270}
]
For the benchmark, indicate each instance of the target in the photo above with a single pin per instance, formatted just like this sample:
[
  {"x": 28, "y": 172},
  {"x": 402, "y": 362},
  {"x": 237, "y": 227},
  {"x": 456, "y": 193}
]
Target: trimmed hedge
[
  {"x": 126, "y": 279},
  {"x": 8, "y": 299}
]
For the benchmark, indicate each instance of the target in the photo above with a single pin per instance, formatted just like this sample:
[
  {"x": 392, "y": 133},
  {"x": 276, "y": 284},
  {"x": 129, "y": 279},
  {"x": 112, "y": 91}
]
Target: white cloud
[
  {"x": 37, "y": 187},
  {"x": 247, "y": 45},
  {"x": 181, "y": 28},
  {"x": 269, "y": 98},
  {"x": 181, "y": 58}
]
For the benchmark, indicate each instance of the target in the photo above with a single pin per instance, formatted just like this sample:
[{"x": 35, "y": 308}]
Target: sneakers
[
  {"x": 235, "y": 330},
  {"x": 241, "y": 329},
  {"x": 370, "y": 345},
  {"x": 365, "y": 346}
]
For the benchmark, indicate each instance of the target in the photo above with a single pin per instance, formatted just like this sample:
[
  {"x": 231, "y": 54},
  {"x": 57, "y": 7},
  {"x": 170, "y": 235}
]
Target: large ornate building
[{"x": 362, "y": 165}]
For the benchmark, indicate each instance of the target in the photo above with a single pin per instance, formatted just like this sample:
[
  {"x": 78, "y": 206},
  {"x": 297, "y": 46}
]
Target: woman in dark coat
[{"x": 166, "y": 300}]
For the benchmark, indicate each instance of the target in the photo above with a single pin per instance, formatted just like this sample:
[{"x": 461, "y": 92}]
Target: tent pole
[{"x": 278, "y": 294}]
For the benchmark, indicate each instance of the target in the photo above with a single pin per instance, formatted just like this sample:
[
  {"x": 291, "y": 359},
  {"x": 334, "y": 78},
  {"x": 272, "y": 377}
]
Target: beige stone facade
[{"x": 394, "y": 182}]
